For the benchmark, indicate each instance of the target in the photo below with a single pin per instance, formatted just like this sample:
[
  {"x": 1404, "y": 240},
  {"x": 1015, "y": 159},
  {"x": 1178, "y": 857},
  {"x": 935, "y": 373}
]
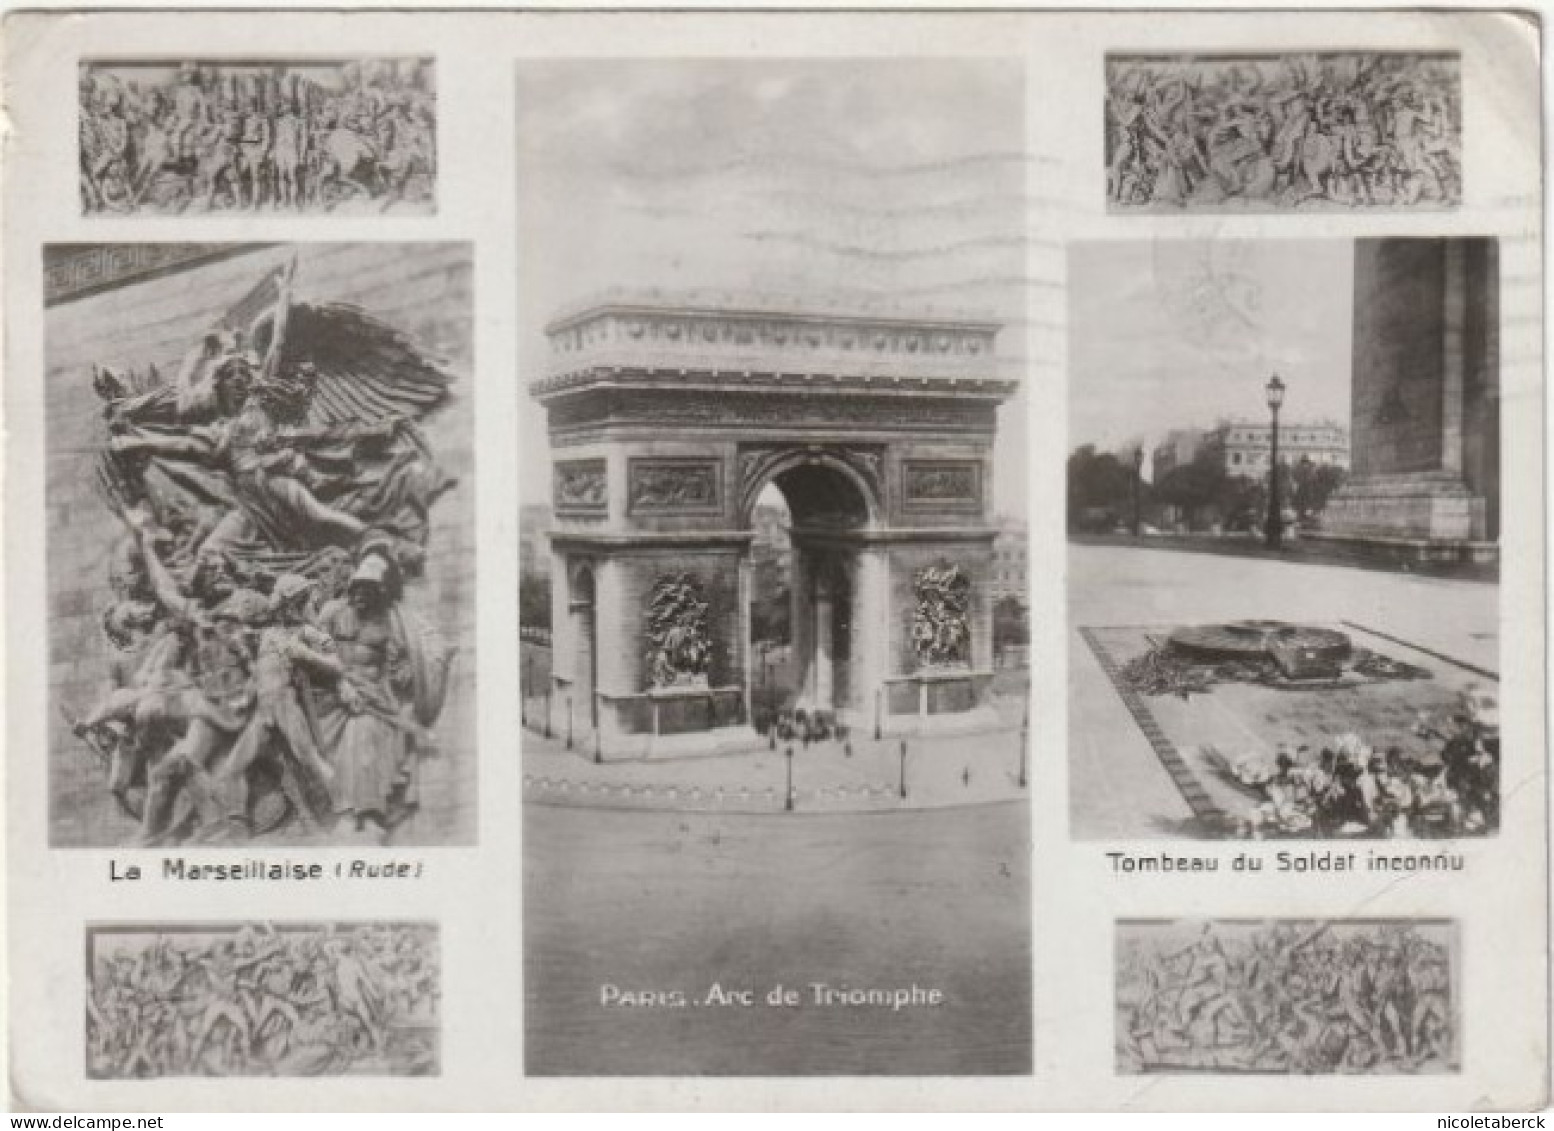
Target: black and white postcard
[{"x": 798, "y": 559}]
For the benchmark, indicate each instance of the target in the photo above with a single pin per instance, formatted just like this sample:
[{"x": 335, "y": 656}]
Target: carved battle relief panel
[
  {"x": 580, "y": 487},
  {"x": 350, "y": 136},
  {"x": 1415, "y": 965},
  {"x": 675, "y": 486},
  {"x": 323, "y": 998},
  {"x": 942, "y": 485},
  {"x": 1270, "y": 132}
]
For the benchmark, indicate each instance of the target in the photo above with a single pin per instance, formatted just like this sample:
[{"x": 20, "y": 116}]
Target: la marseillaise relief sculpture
[{"x": 275, "y": 495}]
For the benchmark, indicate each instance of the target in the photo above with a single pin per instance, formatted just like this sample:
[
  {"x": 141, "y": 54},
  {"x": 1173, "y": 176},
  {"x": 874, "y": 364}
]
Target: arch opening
[
  {"x": 822, "y": 491},
  {"x": 801, "y": 608},
  {"x": 820, "y": 495}
]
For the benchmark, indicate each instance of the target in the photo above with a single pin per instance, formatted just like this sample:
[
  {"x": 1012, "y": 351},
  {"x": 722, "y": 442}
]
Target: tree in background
[
  {"x": 1315, "y": 484},
  {"x": 1202, "y": 491},
  {"x": 533, "y": 600},
  {"x": 1100, "y": 489},
  {"x": 1011, "y": 623}
]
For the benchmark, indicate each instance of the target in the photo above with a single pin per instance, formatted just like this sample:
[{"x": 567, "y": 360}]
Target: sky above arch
[{"x": 875, "y": 183}]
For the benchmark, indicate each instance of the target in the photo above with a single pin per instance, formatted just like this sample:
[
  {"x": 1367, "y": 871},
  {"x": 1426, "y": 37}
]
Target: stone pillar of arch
[
  {"x": 1425, "y": 477},
  {"x": 668, "y": 416}
]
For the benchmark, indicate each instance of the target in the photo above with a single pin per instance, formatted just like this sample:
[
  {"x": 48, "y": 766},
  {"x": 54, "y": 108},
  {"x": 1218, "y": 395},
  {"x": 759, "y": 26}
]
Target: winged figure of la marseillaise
[{"x": 276, "y": 495}]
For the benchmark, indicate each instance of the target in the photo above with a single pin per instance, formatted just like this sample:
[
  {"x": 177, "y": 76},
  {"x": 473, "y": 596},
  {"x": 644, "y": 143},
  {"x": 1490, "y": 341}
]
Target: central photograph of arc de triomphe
[
  {"x": 774, "y": 321},
  {"x": 670, "y": 416}
]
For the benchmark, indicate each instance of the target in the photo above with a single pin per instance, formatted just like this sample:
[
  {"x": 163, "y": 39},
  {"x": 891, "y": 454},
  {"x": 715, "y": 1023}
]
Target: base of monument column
[
  {"x": 692, "y": 744},
  {"x": 1428, "y": 517},
  {"x": 692, "y": 721},
  {"x": 938, "y": 702},
  {"x": 1376, "y": 548}
]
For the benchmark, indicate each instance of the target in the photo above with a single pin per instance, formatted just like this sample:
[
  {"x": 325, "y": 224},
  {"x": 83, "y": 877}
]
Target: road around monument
[
  {"x": 831, "y": 776},
  {"x": 1307, "y": 549},
  {"x": 675, "y": 903}
]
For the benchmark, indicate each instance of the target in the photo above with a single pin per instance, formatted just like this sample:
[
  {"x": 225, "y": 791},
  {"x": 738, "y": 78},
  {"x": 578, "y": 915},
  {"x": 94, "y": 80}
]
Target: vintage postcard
[{"x": 785, "y": 559}]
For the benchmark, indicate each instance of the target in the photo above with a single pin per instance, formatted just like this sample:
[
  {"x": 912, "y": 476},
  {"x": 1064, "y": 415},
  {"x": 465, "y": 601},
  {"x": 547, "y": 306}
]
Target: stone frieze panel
[
  {"x": 942, "y": 484},
  {"x": 580, "y": 486},
  {"x": 675, "y": 486}
]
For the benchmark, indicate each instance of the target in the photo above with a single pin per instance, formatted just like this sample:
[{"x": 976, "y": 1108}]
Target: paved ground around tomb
[
  {"x": 1119, "y": 786},
  {"x": 674, "y": 903}
]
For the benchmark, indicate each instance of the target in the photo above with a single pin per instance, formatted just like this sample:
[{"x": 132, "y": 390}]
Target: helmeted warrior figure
[
  {"x": 394, "y": 675},
  {"x": 280, "y": 468}
]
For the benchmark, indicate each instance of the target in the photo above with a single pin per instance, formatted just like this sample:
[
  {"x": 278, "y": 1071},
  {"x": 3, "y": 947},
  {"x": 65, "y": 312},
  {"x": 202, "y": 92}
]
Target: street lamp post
[
  {"x": 1025, "y": 739},
  {"x": 527, "y": 689},
  {"x": 1138, "y": 486},
  {"x": 788, "y": 800},
  {"x": 1273, "y": 534}
]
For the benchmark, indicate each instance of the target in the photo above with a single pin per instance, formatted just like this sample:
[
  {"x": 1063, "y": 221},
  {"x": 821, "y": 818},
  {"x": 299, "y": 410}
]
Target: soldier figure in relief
[
  {"x": 392, "y": 686},
  {"x": 290, "y": 651},
  {"x": 254, "y": 153},
  {"x": 190, "y": 111}
]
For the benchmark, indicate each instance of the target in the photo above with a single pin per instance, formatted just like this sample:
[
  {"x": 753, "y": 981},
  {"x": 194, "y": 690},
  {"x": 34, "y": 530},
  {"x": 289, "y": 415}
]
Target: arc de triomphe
[{"x": 668, "y": 417}]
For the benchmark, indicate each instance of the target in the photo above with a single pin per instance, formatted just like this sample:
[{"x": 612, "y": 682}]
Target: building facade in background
[
  {"x": 1180, "y": 447},
  {"x": 1011, "y": 561},
  {"x": 1242, "y": 447},
  {"x": 1246, "y": 445},
  {"x": 534, "y": 520},
  {"x": 771, "y": 549}
]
